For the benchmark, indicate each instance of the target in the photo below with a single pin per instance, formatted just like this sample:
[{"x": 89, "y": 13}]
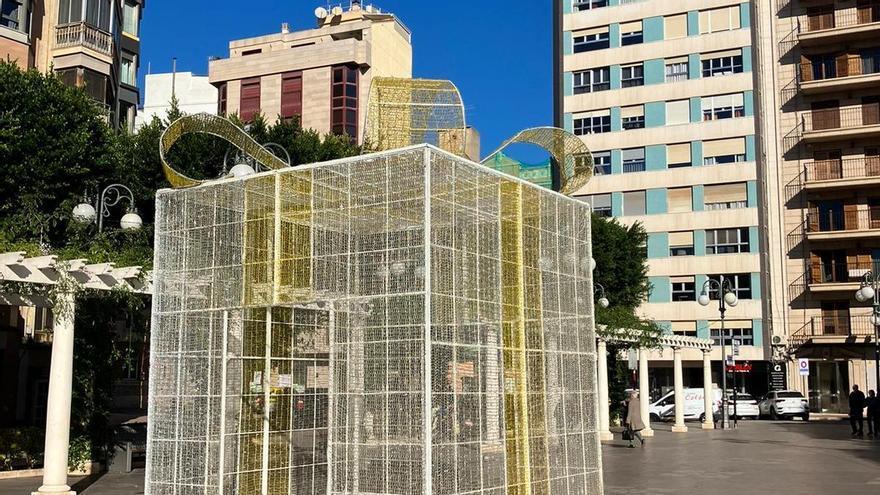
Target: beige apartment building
[
  {"x": 818, "y": 70},
  {"x": 93, "y": 44},
  {"x": 322, "y": 75}
]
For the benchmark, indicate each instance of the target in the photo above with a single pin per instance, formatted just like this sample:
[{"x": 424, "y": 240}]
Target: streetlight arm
[{"x": 112, "y": 195}]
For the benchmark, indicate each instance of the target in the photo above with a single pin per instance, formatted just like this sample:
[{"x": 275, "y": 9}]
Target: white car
[
  {"x": 746, "y": 406},
  {"x": 664, "y": 408},
  {"x": 784, "y": 404}
]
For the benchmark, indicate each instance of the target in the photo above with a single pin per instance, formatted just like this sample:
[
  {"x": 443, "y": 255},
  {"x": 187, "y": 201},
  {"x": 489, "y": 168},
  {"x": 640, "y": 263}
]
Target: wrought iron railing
[
  {"x": 839, "y": 272},
  {"x": 82, "y": 34},
  {"x": 831, "y": 18},
  {"x": 843, "y": 220},
  {"x": 841, "y": 118},
  {"x": 842, "y": 325},
  {"x": 837, "y": 68},
  {"x": 847, "y": 168}
]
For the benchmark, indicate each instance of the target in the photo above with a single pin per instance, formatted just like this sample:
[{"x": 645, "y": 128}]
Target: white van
[{"x": 664, "y": 408}]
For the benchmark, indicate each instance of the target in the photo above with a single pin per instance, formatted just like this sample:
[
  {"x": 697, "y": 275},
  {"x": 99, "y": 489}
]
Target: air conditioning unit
[{"x": 778, "y": 340}]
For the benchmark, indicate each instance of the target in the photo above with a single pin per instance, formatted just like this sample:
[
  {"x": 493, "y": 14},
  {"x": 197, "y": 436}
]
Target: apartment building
[
  {"x": 93, "y": 44},
  {"x": 322, "y": 75},
  {"x": 536, "y": 173},
  {"x": 819, "y": 70},
  {"x": 194, "y": 94},
  {"x": 662, "y": 94}
]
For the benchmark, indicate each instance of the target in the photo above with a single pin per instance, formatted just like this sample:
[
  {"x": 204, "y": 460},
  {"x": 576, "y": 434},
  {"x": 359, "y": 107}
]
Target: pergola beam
[{"x": 45, "y": 270}]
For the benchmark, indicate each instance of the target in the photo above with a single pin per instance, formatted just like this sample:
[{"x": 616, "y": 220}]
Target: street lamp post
[
  {"x": 870, "y": 291},
  {"x": 726, "y": 297},
  {"x": 600, "y": 291},
  {"x": 110, "y": 196}
]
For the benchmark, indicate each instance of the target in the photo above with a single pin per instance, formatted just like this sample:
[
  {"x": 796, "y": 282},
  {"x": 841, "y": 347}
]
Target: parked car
[
  {"x": 664, "y": 407},
  {"x": 784, "y": 404},
  {"x": 746, "y": 405}
]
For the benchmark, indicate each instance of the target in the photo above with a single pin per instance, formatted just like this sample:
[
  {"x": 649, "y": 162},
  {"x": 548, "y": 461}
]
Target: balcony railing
[
  {"x": 839, "y": 18},
  {"x": 839, "y": 67},
  {"x": 633, "y": 166},
  {"x": 847, "y": 220},
  {"x": 82, "y": 34},
  {"x": 837, "y": 326},
  {"x": 841, "y": 118},
  {"x": 842, "y": 272},
  {"x": 849, "y": 168}
]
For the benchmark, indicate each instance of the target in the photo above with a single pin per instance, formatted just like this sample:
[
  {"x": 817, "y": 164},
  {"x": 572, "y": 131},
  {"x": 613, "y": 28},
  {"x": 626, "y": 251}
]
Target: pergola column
[
  {"x": 679, "y": 426},
  {"x": 58, "y": 402},
  {"x": 644, "y": 400},
  {"x": 708, "y": 391},
  {"x": 602, "y": 383}
]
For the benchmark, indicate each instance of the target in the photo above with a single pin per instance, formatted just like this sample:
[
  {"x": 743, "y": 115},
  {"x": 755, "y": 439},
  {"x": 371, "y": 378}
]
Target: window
[
  {"x": 677, "y": 69},
  {"x": 684, "y": 328},
  {"x": 723, "y": 107},
  {"x": 250, "y": 99},
  {"x": 679, "y": 199},
  {"x": 632, "y": 75},
  {"x": 95, "y": 85},
  {"x": 631, "y": 33},
  {"x": 589, "y": 4},
  {"x": 222, "y": 99},
  {"x": 724, "y": 151},
  {"x": 683, "y": 289},
  {"x": 719, "y": 19},
  {"x": 870, "y": 61},
  {"x": 14, "y": 14},
  {"x": 675, "y": 26},
  {"x": 633, "y": 117},
  {"x": 592, "y": 123},
  {"x": 98, "y": 13},
  {"x": 128, "y": 69},
  {"x": 727, "y": 241},
  {"x": 602, "y": 163},
  {"x": 678, "y": 155},
  {"x": 739, "y": 330},
  {"x": 739, "y": 283},
  {"x": 69, "y": 11},
  {"x": 130, "y": 21},
  {"x": 722, "y": 63},
  {"x": 678, "y": 112},
  {"x": 291, "y": 95},
  {"x": 634, "y": 203},
  {"x": 725, "y": 196},
  {"x": 592, "y": 80},
  {"x": 601, "y": 204},
  {"x": 591, "y": 39},
  {"x": 681, "y": 243},
  {"x": 344, "y": 108},
  {"x": 633, "y": 160}
]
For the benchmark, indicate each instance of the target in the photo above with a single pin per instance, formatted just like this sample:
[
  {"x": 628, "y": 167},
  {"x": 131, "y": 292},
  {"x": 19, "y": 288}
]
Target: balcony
[
  {"x": 832, "y": 124},
  {"x": 842, "y": 173},
  {"x": 834, "y": 329},
  {"x": 837, "y": 276},
  {"x": 837, "y": 73},
  {"x": 850, "y": 223},
  {"x": 834, "y": 26},
  {"x": 84, "y": 35}
]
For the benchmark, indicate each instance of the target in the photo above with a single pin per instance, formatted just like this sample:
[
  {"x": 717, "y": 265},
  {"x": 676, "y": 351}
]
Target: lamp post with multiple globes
[
  {"x": 726, "y": 297},
  {"x": 110, "y": 196},
  {"x": 870, "y": 292}
]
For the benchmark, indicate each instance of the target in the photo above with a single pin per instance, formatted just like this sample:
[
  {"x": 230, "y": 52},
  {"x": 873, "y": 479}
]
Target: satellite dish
[
  {"x": 337, "y": 10},
  {"x": 321, "y": 12}
]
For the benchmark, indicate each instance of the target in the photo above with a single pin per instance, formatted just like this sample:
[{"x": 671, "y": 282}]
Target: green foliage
[
  {"x": 79, "y": 454},
  {"x": 21, "y": 448}
]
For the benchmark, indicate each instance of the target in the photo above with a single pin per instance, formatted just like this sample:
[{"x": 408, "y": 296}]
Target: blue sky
[{"x": 497, "y": 52}]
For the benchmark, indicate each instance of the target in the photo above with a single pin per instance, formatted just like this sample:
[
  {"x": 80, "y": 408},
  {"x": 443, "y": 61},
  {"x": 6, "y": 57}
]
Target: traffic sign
[{"x": 804, "y": 367}]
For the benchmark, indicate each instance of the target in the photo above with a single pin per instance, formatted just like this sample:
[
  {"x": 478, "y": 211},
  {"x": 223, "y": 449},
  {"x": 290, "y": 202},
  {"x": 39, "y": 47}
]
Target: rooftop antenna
[{"x": 173, "y": 76}]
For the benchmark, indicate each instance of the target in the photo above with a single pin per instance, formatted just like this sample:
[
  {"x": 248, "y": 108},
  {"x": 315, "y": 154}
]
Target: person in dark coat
[
  {"x": 856, "y": 411},
  {"x": 873, "y": 405},
  {"x": 634, "y": 423}
]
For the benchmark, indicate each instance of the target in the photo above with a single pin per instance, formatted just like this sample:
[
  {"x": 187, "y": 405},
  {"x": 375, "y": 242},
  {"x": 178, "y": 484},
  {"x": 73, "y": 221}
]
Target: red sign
[{"x": 740, "y": 368}]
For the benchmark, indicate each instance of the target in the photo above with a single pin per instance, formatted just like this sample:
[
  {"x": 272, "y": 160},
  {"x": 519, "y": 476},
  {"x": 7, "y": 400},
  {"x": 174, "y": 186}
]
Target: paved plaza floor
[{"x": 783, "y": 457}]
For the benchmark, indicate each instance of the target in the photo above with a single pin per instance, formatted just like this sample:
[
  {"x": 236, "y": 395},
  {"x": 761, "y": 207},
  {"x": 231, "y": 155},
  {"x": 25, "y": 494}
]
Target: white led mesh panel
[{"x": 295, "y": 348}]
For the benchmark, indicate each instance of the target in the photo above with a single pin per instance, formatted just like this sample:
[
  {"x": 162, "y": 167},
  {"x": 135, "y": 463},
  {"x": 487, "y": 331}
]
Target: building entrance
[{"x": 829, "y": 385}]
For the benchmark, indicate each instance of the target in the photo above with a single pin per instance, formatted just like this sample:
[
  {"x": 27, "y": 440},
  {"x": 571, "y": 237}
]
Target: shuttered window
[
  {"x": 725, "y": 196},
  {"x": 675, "y": 26},
  {"x": 344, "y": 110},
  {"x": 222, "y": 99},
  {"x": 719, "y": 19},
  {"x": 250, "y": 99},
  {"x": 634, "y": 203},
  {"x": 724, "y": 151},
  {"x": 678, "y": 112},
  {"x": 723, "y": 106},
  {"x": 678, "y": 155},
  {"x": 291, "y": 95},
  {"x": 681, "y": 243},
  {"x": 680, "y": 199},
  {"x": 684, "y": 328}
]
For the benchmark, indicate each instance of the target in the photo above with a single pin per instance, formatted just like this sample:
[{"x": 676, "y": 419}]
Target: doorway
[{"x": 829, "y": 384}]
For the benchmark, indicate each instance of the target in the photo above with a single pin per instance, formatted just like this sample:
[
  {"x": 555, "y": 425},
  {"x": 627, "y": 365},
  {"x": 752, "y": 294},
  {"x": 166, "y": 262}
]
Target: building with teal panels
[
  {"x": 662, "y": 93},
  {"x": 536, "y": 173}
]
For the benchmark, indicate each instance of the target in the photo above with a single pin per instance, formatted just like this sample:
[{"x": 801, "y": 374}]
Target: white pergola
[
  {"x": 677, "y": 343},
  {"x": 48, "y": 270}
]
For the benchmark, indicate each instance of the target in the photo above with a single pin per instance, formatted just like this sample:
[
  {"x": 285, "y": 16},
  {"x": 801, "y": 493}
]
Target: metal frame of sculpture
[
  {"x": 203, "y": 123},
  {"x": 405, "y": 322},
  {"x": 569, "y": 152},
  {"x": 403, "y": 112}
]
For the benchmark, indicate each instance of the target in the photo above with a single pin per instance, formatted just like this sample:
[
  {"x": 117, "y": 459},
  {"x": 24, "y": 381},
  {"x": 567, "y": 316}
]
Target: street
[{"x": 769, "y": 456}]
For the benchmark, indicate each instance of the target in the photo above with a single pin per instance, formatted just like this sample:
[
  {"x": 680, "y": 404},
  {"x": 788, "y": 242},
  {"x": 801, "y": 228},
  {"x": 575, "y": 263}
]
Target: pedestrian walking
[
  {"x": 634, "y": 423},
  {"x": 873, "y": 405},
  {"x": 856, "y": 411}
]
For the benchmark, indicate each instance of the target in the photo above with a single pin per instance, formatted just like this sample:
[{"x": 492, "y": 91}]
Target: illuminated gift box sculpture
[{"x": 307, "y": 337}]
